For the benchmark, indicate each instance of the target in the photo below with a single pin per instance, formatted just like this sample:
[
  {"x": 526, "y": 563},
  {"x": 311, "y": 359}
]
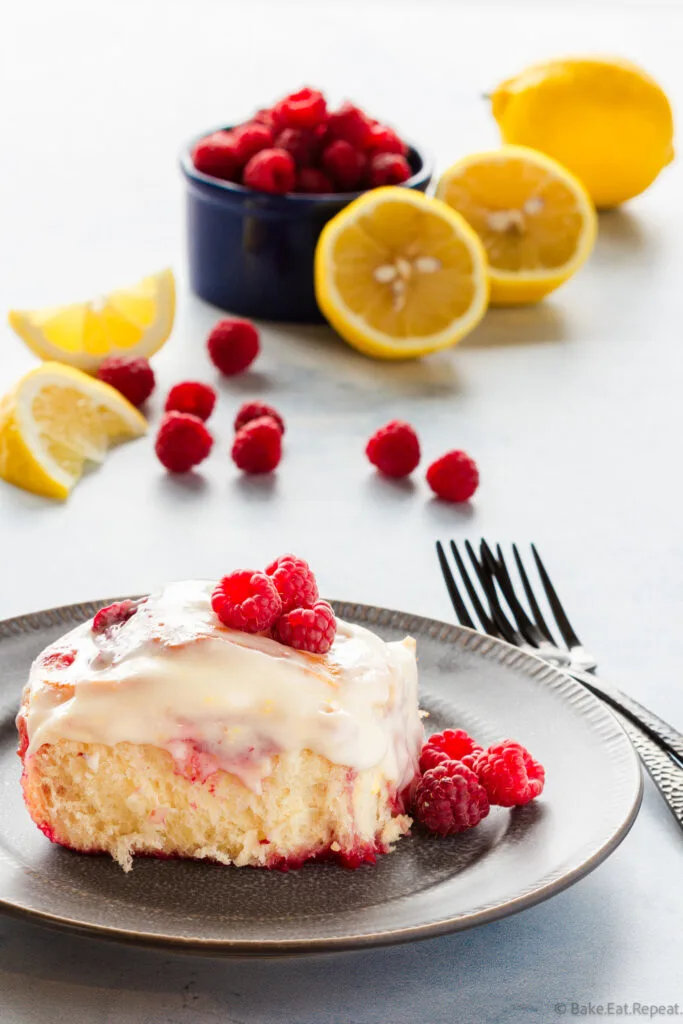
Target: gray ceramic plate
[{"x": 427, "y": 887}]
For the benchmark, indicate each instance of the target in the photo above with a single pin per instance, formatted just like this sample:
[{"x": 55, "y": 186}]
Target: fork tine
[
  {"x": 531, "y": 597},
  {"x": 459, "y": 606},
  {"x": 563, "y": 623},
  {"x": 502, "y": 624},
  {"x": 487, "y": 624},
  {"x": 498, "y": 567}
]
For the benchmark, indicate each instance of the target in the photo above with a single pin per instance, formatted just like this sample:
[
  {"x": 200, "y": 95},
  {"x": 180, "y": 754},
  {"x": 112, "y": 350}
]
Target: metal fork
[{"x": 659, "y": 745}]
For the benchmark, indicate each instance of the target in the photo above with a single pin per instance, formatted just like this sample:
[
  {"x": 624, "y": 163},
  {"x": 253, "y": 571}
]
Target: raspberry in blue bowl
[{"x": 259, "y": 194}]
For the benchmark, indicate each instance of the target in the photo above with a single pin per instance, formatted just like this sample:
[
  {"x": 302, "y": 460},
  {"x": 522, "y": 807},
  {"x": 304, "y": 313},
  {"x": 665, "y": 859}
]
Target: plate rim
[{"x": 369, "y": 615}]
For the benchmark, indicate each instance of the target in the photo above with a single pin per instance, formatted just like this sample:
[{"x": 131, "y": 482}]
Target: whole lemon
[{"x": 604, "y": 119}]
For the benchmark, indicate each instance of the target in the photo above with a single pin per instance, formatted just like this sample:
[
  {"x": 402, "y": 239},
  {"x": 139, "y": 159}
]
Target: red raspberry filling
[
  {"x": 294, "y": 581},
  {"x": 132, "y": 377},
  {"x": 233, "y": 345},
  {"x": 247, "y": 600},
  {"x": 394, "y": 449},
  {"x": 308, "y": 629},
  {"x": 271, "y": 170},
  {"x": 254, "y": 411},
  {"x": 454, "y": 476},
  {"x": 257, "y": 447},
  {"x": 182, "y": 442},
  {"x": 113, "y": 615},
  {"x": 193, "y": 397}
]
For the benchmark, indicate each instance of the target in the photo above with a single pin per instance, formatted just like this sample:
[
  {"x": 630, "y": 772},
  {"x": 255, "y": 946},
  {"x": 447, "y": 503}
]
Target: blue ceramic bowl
[{"x": 251, "y": 252}]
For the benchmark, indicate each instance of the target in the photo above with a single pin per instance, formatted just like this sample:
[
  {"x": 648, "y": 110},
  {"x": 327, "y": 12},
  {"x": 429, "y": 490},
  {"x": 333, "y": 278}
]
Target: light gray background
[{"x": 572, "y": 410}]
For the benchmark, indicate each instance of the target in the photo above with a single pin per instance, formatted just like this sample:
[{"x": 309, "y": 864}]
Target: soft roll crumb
[{"x": 127, "y": 799}]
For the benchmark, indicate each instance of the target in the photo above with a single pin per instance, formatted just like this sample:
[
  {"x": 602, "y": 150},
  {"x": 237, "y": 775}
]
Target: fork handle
[
  {"x": 657, "y": 729},
  {"x": 666, "y": 773}
]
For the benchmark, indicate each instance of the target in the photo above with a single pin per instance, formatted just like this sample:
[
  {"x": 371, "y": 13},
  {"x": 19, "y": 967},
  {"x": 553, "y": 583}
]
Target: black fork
[{"x": 501, "y": 613}]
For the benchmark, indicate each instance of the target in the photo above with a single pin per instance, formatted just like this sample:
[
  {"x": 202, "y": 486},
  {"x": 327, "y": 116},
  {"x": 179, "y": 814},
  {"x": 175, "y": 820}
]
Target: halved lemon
[
  {"x": 54, "y": 421},
  {"x": 536, "y": 220},
  {"x": 399, "y": 275},
  {"x": 134, "y": 321}
]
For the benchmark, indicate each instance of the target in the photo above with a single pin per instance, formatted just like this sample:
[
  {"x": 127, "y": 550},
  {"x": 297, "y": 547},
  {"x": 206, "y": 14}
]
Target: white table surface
[{"x": 572, "y": 410}]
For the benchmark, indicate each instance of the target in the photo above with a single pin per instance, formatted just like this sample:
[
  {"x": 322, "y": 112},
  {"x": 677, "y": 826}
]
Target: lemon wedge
[
  {"x": 56, "y": 419},
  {"x": 399, "y": 274},
  {"x": 605, "y": 119},
  {"x": 535, "y": 219},
  {"x": 134, "y": 321}
]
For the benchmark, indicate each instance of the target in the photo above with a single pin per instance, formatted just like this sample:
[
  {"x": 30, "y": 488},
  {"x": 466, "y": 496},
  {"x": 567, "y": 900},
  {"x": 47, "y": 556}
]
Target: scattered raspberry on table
[
  {"x": 182, "y": 442},
  {"x": 394, "y": 449},
  {"x": 233, "y": 345},
  {"x": 454, "y": 476},
  {"x": 257, "y": 447},
  {"x": 132, "y": 377},
  {"x": 193, "y": 397},
  {"x": 254, "y": 411}
]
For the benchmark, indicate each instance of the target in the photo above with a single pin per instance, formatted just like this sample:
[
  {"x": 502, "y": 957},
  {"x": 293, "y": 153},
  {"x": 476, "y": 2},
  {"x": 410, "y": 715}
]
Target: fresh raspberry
[
  {"x": 246, "y": 600},
  {"x": 113, "y": 615},
  {"x": 394, "y": 449},
  {"x": 303, "y": 109},
  {"x": 233, "y": 345},
  {"x": 350, "y": 124},
  {"x": 449, "y": 798},
  {"x": 191, "y": 396},
  {"x": 453, "y": 477},
  {"x": 313, "y": 181},
  {"x": 250, "y": 139},
  {"x": 271, "y": 170},
  {"x": 509, "y": 774},
  {"x": 295, "y": 582},
  {"x": 449, "y": 745},
  {"x": 264, "y": 116},
  {"x": 307, "y": 629},
  {"x": 385, "y": 140},
  {"x": 134, "y": 378},
  {"x": 344, "y": 163},
  {"x": 182, "y": 442},
  {"x": 388, "y": 169},
  {"x": 217, "y": 155},
  {"x": 257, "y": 447},
  {"x": 254, "y": 411},
  {"x": 301, "y": 144}
]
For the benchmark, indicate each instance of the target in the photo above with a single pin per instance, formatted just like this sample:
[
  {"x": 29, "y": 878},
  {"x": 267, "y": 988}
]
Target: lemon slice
[
  {"x": 54, "y": 421},
  {"x": 399, "y": 274},
  {"x": 133, "y": 321},
  {"x": 536, "y": 220}
]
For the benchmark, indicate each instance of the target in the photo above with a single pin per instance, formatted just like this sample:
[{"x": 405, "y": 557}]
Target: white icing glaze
[{"x": 174, "y": 677}]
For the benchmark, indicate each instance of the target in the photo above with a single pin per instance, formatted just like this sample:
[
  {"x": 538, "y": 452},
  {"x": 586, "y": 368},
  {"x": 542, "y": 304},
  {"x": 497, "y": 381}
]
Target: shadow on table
[{"x": 540, "y": 324}]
